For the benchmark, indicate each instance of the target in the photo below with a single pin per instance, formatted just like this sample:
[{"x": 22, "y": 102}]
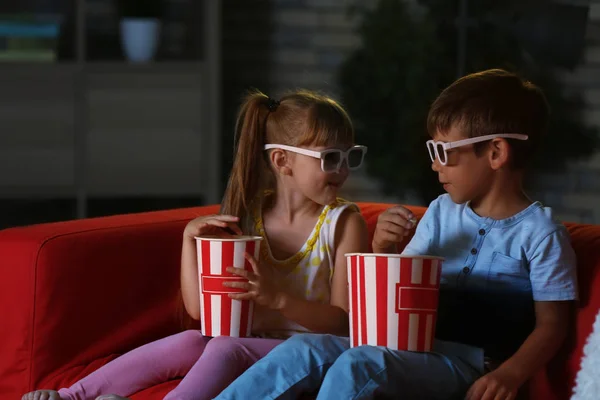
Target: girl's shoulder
[
  {"x": 334, "y": 211},
  {"x": 341, "y": 204}
]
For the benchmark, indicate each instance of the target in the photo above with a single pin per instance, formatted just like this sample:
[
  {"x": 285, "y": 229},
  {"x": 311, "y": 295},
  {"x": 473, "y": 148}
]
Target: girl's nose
[{"x": 345, "y": 164}]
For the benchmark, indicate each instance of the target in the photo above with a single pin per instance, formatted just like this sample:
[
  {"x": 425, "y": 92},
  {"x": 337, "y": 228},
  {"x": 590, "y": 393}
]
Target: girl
[{"x": 292, "y": 158}]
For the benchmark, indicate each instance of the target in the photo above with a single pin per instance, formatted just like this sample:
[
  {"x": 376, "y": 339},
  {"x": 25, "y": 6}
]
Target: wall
[
  {"x": 311, "y": 37},
  {"x": 575, "y": 194}
]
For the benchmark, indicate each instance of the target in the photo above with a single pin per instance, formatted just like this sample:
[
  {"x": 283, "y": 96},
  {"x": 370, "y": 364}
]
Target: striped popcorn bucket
[
  {"x": 393, "y": 300},
  {"x": 219, "y": 314}
]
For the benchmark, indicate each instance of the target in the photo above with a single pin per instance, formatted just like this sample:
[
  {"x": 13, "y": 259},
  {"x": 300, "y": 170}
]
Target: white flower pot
[{"x": 139, "y": 38}]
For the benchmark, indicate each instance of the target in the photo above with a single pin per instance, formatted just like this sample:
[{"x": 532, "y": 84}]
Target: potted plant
[{"x": 140, "y": 25}]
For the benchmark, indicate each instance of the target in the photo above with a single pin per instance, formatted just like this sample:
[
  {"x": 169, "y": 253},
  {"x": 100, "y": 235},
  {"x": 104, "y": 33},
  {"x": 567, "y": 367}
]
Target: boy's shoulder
[{"x": 536, "y": 220}]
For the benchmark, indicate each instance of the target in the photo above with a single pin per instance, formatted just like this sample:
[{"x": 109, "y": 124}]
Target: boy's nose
[{"x": 435, "y": 165}]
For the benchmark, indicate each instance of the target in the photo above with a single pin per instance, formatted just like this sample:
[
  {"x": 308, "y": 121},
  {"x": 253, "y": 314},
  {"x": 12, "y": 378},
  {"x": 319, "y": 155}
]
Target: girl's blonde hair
[{"x": 300, "y": 118}]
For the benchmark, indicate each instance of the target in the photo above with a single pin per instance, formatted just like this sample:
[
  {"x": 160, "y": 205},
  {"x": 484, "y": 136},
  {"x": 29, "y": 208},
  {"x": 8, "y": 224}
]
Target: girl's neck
[{"x": 289, "y": 206}]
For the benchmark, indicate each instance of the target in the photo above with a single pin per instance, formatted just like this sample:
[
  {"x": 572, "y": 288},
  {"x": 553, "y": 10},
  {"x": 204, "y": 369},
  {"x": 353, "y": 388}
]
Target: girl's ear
[
  {"x": 280, "y": 161},
  {"x": 499, "y": 153}
]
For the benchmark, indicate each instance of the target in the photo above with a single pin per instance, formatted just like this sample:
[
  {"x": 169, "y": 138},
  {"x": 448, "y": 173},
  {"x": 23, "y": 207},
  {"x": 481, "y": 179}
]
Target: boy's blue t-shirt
[{"x": 493, "y": 272}]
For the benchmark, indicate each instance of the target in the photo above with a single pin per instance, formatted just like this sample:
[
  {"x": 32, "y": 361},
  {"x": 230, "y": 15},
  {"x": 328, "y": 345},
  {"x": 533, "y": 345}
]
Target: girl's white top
[{"x": 307, "y": 274}]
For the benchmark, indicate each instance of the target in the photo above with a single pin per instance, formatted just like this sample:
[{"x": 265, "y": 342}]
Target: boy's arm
[
  {"x": 553, "y": 279},
  {"x": 393, "y": 225},
  {"x": 397, "y": 222},
  {"x": 551, "y": 328}
]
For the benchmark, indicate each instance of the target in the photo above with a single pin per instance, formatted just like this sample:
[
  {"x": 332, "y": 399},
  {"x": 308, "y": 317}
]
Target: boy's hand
[
  {"x": 212, "y": 225},
  {"x": 261, "y": 286},
  {"x": 496, "y": 385},
  {"x": 393, "y": 225}
]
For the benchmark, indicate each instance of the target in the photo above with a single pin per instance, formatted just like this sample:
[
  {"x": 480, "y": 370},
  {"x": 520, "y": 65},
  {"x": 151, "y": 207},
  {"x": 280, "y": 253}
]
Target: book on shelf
[
  {"x": 28, "y": 38},
  {"x": 21, "y": 29},
  {"x": 28, "y": 56}
]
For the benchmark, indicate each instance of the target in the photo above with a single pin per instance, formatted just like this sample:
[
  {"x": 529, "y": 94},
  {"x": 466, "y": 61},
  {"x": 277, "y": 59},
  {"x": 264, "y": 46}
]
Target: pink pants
[{"x": 207, "y": 365}]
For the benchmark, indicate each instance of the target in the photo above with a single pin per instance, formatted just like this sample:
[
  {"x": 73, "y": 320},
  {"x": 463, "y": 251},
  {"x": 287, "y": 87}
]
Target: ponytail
[{"x": 248, "y": 165}]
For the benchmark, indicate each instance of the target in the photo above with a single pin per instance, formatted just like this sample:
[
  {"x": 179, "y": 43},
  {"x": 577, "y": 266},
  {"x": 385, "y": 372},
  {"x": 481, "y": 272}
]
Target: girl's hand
[
  {"x": 212, "y": 225},
  {"x": 261, "y": 286},
  {"x": 393, "y": 225}
]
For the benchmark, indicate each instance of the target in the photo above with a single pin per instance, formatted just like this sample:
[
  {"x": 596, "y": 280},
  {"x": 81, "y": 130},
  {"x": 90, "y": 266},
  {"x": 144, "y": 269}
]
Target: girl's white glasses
[
  {"x": 438, "y": 149},
  {"x": 331, "y": 159}
]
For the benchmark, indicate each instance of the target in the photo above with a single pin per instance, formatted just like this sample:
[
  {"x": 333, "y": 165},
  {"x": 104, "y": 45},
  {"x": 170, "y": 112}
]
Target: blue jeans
[{"x": 325, "y": 364}]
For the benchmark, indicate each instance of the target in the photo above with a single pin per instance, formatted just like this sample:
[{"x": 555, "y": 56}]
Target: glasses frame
[
  {"x": 322, "y": 153},
  {"x": 432, "y": 145}
]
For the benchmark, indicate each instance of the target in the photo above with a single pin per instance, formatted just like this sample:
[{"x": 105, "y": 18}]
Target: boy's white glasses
[
  {"x": 438, "y": 149},
  {"x": 331, "y": 159}
]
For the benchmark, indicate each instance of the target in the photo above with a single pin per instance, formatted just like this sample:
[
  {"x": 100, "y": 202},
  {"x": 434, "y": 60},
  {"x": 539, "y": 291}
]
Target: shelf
[
  {"x": 154, "y": 67},
  {"x": 108, "y": 67},
  {"x": 98, "y": 112},
  {"x": 37, "y": 192},
  {"x": 30, "y": 67}
]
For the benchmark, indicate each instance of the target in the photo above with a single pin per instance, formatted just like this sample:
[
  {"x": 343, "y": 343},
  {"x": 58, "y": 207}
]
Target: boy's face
[{"x": 466, "y": 176}]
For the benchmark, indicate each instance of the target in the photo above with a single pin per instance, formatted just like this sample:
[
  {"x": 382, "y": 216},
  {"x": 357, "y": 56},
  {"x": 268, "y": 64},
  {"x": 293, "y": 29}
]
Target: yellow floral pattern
[{"x": 307, "y": 248}]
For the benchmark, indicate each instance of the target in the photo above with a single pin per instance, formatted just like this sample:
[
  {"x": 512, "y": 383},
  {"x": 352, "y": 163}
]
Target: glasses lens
[
  {"x": 431, "y": 151},
  {"x": 331, "y": 160},
  {"x": 441, "y": 153},
  {"x": 355, "y": 158}
]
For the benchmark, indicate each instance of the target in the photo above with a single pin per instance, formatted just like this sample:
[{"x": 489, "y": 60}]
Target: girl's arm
[
  {"x": 190, "y": 286},
  {"x": 351, "y": 236}
]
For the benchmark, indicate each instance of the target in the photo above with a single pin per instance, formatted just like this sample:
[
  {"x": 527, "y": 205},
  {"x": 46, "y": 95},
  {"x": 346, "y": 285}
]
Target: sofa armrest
[
  {"x": 77, "y": 291},
  {"x": 557, "y": 380}
]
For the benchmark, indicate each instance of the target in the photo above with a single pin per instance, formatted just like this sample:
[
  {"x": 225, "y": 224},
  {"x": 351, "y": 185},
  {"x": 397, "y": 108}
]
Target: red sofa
[{"x": 74, "y": 295}]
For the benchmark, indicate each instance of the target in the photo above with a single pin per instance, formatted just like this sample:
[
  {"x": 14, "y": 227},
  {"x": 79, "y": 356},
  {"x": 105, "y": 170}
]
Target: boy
[{"x": 507, "y": 282}]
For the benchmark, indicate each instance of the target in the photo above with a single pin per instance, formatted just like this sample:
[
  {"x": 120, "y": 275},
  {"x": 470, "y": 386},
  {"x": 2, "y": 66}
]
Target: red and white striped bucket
[
  {"x": 393, "y": 300},
  {"x": 219, "y": 314}
]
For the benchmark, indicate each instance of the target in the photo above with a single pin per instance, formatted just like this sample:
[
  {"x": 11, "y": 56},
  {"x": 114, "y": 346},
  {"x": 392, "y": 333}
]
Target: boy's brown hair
[{"x": 489, "y": 102}]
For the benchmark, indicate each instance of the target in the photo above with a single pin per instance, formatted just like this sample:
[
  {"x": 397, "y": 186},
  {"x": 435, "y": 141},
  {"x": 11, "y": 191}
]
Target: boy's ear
[
  {"x": 280, "y": 162},
  {"x": 499, "y": 153}
]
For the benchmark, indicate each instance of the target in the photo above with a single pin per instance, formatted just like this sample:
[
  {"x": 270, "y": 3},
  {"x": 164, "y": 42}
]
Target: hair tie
[{"x": 272, "y": 104}]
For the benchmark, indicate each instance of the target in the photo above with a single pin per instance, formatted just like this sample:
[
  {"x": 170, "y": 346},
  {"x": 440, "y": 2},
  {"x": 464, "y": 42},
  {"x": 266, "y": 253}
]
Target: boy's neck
[{"x": 505, "y": 197}]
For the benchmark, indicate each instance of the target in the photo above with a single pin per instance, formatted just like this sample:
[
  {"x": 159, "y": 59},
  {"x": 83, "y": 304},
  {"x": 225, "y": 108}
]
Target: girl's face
[{"x": 309, "y": 178}]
